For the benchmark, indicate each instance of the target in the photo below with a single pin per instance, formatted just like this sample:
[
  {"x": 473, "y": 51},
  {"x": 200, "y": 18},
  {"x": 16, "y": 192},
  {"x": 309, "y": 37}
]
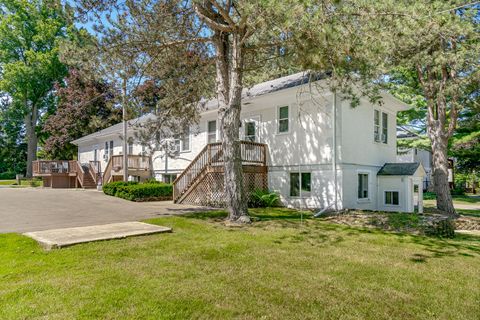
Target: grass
[
  {"x": 278, "y": 268},
  {"x": 23, "y": 183}
]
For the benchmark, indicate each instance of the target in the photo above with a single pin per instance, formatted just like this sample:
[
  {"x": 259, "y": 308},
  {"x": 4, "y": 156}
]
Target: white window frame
[
  {"x": 368, "y": 198},
  {"x": 130, "y": 147},
  {"x": 256, "y": 121},
  {"x": 384, "y": 136},
  {"x": 209, "y": 133},
  {"x": 179, "y": 142},
  {"x": 385, "y": 198},
  {"x": 377, "y": 128},
  {"x": 288, "y": 119},
  {"x": 301, "y": 194},
  {"x": 380, "y": 126}
]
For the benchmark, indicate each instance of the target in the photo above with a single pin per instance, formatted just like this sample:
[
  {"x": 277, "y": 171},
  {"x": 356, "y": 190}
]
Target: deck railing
[
  {"x": 252, "y": 153},
  {"x": 115, "y": 165},
  {"x": 95, "y": 170},
  {"x": 52, "y": 166}
]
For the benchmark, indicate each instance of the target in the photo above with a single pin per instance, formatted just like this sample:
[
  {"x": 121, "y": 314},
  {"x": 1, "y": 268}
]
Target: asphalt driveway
[{"x": 35, "y": 209}]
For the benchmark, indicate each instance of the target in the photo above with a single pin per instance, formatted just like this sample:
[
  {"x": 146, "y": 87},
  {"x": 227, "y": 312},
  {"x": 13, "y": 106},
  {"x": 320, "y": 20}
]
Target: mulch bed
[{"x": 372, "y": 219}]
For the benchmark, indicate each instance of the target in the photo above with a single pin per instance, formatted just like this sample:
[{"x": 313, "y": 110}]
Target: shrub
[
  {"x": 145, "y": 191},
  {"x": 7, "y": 175},
  {"x": 444, "y": 228},
  {"x": 429, "y": 196},
  {"x": 152, "y": 180},
  {"x": 263, "y": 199},
  {"x": 111, "y": 188},
  {"x": 458, "y": 191}
]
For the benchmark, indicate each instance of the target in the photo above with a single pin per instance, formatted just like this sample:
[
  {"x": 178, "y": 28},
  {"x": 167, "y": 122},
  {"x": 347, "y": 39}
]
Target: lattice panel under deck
[{"x": 209, "y": 190}]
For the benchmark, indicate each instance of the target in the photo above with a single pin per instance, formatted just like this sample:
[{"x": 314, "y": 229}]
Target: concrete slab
[
  {"x": 59, "y": 238},
  {"x": 469, "y": 232}
]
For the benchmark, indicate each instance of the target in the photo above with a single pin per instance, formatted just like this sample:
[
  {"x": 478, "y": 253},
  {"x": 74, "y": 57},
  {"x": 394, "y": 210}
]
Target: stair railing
[
  {"x": 107, "y": 174},
  {"x": 94, "y": 167}
]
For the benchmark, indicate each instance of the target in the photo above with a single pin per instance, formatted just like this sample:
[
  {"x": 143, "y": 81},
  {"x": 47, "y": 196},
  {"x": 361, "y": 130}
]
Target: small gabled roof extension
[{"x": 399, "y": 169}]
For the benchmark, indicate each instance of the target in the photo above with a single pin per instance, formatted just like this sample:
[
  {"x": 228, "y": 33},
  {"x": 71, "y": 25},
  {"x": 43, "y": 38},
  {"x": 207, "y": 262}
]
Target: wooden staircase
[
  {"x": 88, "y": 178},
  {"x": 201, "y": 183}
]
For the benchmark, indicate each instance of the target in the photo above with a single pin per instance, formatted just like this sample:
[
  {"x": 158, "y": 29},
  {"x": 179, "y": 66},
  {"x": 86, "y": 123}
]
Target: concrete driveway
[{"x": 35, "y": 209}]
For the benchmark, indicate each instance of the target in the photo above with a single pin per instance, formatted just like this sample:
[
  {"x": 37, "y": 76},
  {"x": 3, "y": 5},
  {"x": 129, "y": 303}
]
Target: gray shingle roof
[{"x": 398, "y": 169}]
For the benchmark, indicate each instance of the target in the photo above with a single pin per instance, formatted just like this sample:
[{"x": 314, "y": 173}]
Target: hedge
[
  {"x": 111, "y": 188},
  {"x": 140, "y": 192},
  {"x": 7, "y": 175}
]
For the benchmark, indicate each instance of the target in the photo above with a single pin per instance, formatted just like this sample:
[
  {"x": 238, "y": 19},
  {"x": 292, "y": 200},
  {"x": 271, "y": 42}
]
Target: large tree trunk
[
  {"x": 440, "y": 174},
  {"x": 229, "y": 91},
  {"x": 32, "y": 140}
]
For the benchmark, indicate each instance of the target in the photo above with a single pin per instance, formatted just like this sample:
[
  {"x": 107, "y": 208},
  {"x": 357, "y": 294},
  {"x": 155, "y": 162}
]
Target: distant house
[
  {"x": 298, "y": 139},
  {"x": 408, "y": 155}
]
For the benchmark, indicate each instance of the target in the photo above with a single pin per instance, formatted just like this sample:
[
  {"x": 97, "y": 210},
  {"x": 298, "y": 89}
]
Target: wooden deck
[
  {"x": 73, "y": 174},
  {"x": 66, "y": 173},
  {"x": 137, "y": 166},
  {"x": 202, "y": 182}
]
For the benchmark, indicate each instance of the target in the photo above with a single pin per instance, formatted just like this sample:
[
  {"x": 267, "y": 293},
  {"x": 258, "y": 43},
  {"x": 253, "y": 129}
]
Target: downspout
[
  {"x": 334, "y": 149},
  {"x": 124, "y": 116},
  {"x": 334, "y": 158}
]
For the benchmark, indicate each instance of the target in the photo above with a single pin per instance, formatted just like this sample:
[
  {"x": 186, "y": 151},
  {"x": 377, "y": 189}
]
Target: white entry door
[{"x": 251, "y": 129}]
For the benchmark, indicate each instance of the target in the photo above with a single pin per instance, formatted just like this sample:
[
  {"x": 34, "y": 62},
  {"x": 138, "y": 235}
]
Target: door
[
  {"x": 251, "y": 129},
  {"x": 95, "y": 153}
]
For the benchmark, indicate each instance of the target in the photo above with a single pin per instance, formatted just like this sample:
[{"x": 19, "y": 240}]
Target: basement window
[
  {"x": 392, "y": 198},
  {"x": 300, "y": 182}
]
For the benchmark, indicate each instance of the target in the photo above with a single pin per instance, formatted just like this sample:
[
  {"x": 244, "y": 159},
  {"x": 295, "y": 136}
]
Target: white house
[{"x": 320, "y": 152}]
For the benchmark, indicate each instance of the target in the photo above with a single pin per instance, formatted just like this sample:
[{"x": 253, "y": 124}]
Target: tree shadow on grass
[{"x": 318, "y": 232}]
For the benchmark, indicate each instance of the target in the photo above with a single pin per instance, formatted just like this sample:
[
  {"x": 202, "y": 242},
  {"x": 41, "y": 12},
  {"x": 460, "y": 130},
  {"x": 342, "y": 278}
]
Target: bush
[
  {"x": 263, "y": 199},
  {"x": 145, "y": 191},
  {"x": 458, "y": 191},
  {"x": 429, "y": 196},
  {"x": 7, "y": 175},
  {"x": 444, "y": 228},
  {"x": 111, "y": 188}
]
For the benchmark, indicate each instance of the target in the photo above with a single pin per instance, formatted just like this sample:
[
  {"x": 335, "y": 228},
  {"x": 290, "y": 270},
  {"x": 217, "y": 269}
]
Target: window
[
  {"x": 283, "y": 122},
  {"x": 376, "y": 126},
  {"x": 380, "y": 126},
  {"x": 300, "y": 183},
  {"x": 384, "y": 127},
  {"x": 130, "y": 147},
  {"x": 108, "y": 150},
  {"x": 111, "y": 148},
  {"x": 363, "y": 186},
  {"x": 250, "y": 128},
  {"x": 182, "y": 142},
  {"x": 186, "y": 142},
  {"x": 391, "y": 198},
  {"x": 212, "y": 131}
]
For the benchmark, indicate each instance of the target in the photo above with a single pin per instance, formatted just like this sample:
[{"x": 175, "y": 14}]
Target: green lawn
[{"x": 278, "y": 268}]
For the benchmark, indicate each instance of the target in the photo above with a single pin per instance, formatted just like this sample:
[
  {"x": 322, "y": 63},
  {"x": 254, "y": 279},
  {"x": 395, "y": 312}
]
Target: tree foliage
[
  {"x": 30, "y": 32},
  {"x": 84, "y": 106}
]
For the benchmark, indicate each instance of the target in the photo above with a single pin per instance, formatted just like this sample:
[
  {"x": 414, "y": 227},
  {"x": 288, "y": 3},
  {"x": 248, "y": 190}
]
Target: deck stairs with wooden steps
[
  {"x": 67, "y": 173},
  {"x": 201, "y": 183}
]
